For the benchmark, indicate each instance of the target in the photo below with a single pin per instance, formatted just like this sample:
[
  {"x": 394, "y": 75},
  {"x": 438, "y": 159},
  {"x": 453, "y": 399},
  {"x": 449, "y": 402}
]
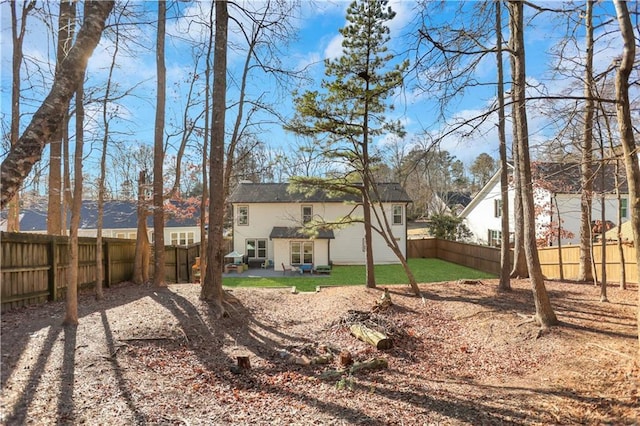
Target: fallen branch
[{"x": 374, "y": 364}]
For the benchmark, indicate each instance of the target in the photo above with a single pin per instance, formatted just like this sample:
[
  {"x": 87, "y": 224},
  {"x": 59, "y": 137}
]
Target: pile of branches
[{"x": 372, "y": 320}]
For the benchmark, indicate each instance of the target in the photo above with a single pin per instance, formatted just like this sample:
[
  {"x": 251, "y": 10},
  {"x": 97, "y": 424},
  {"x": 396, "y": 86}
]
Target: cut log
[
  {"x": 374, "y": 364},
  {"x": 373, "y": 337}
]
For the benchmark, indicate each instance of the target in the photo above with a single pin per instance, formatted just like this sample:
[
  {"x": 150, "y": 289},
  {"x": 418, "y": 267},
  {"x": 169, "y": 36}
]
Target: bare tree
[
  {"x": 625, "y": 125},
  {"x": 544, "y": 315},
  {"x": 20, "y": 160},
  {"x": 158, "y": 150},
  {"x": 212, "y": 285},
  {"x": 17, "y": 37},
  {"x": 55, "y": 215},
  {"x": 505, "y": 252},
  {"x": 71, "y": 312},
  {"x": 585, "y": 272}
]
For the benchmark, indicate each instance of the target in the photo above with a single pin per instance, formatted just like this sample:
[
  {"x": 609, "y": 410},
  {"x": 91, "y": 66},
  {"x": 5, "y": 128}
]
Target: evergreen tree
[{"x": 349, "y": 111}]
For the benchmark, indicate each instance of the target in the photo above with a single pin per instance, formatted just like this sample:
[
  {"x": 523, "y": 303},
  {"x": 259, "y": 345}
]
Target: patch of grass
[{"x": 424, "y": 270}]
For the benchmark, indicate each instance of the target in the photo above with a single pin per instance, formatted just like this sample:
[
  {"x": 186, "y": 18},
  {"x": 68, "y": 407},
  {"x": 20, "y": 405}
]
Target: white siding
[{"x": 346, "y": 248}]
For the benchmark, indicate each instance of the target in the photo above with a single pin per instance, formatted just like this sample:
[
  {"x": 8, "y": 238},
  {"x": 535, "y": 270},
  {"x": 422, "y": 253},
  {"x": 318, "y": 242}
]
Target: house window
[
  {"x": 301, "y": 252},
  {"x": 397, "y": 214},
  {"x": 495, "y": 238},
  {"x": 121, "y": 235},
  {"x": 243, "y": 215},
  {"x": 256, "y": 248},
  {"x": 497, "y": 208},
  {"x": 624, "y": 207},
  {"x": 307, "y": 213},
  {"x": 182, "y": 238}
]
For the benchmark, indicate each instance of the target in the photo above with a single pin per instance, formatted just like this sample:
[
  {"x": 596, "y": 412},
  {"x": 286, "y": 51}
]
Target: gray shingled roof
[
  {"x": 117, "y": 215},
  {"x": 296, "y": 233},
  {"x": 279, "y": 193}
]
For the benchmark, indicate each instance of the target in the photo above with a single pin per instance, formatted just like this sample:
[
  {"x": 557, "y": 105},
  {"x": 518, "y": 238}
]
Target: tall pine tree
[{"x": 350, "y": 110}]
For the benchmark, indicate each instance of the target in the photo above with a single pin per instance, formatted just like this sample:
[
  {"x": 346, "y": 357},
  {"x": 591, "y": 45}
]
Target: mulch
[{"x": 462, "y": 355}]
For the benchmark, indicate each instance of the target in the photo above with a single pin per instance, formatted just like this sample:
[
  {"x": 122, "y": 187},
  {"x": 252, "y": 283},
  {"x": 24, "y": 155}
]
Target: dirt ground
[{"x": 463, "y": 355}]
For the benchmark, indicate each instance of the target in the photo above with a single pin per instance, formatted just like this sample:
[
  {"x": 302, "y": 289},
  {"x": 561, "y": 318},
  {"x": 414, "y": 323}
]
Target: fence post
[
  {"x": 53, "y": 271},
  {"x": 107, "y": 264}
]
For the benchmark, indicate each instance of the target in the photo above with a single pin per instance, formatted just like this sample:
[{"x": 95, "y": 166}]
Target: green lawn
[{"x": 425, "y": 271}]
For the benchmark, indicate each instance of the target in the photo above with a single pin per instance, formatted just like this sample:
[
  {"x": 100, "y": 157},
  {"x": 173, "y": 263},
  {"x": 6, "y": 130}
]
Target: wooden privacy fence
[
  {"x": 551, "y": 257},
  {"x": 487, "y": 259},
  {"x": 33, "y": 267}
]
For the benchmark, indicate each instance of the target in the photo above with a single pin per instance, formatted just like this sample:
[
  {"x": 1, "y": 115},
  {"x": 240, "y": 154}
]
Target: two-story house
[
  {"x": 557, "y": 193},
  {"x": 268, "y": 219}
]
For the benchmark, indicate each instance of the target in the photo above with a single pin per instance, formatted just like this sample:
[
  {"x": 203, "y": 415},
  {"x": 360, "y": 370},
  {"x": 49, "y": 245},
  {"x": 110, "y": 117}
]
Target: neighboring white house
[
  {"x": 120, "y": 221},
  {"x": 557, "y": 193},
  {"x": 267, "y": 222}
]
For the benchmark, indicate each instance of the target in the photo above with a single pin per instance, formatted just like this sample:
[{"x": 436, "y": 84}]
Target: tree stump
[
  {"x": 373, "y": 337},
  {"x": 244, "y": 362},
  {"x": 346, "y": 358}
]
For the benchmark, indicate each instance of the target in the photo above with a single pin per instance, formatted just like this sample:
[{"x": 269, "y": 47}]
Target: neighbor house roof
[
  {"x": 118, "y": 214},
  {"x": 565, "y": 178},
  {"x": 280, "y": 193},
  {"x": 296, "y": 233}
]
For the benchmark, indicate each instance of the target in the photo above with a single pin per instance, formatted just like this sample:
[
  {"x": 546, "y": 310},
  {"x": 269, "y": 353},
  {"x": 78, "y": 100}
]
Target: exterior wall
[
  {"x": 130, "y": 233},
  {"x": 482, "y": 218},
  {"x": 346, "y": 248},
  {"x": 569, "y": 206}
]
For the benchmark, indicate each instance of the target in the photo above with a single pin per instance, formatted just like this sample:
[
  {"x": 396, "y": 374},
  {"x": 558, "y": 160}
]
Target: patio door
[
  {"x": 301, "y": 252},
  {"x": 256, "y": 248}
]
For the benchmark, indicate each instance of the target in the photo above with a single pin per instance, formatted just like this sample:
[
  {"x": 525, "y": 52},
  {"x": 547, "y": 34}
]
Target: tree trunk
[
  {"x": 212, "y": 285},
  {"x": 142, "y": 254},
  {"x": 505, "y": 251},
  {"x": 625, "y": 127},
  {"x": 544, "y": 312},
  {"x": 103, "y": 172},
  {"x": 519, "y": 269},
  {"x": 367, "y": 184},
  {"x": 55, "y": 223},
  {"x": 17, "y": 37},
  {"x": 585, "y": 272},
  {"x": 47, "y": 119},
  {"x": 71, "y": 315},
  {"x": 204, "y": 208},
  {"x": 158, "y": 151}
]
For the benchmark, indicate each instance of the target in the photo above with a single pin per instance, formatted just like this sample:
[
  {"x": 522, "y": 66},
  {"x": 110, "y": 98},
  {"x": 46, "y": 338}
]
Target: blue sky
[{"x": 316, "y": 27}]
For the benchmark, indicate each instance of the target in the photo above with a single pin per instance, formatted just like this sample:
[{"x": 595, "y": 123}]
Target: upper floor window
[
  {"x": 307, "y": 213},
  {"x": 497, "y": 208},
  {"x": 397, "y": 214},
  {"x": 243, "y": 215},
  {"x": 624, "y": 207}
]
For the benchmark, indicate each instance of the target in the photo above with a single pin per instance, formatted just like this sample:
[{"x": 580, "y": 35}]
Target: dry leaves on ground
[{"x": 462, "y": 355}]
